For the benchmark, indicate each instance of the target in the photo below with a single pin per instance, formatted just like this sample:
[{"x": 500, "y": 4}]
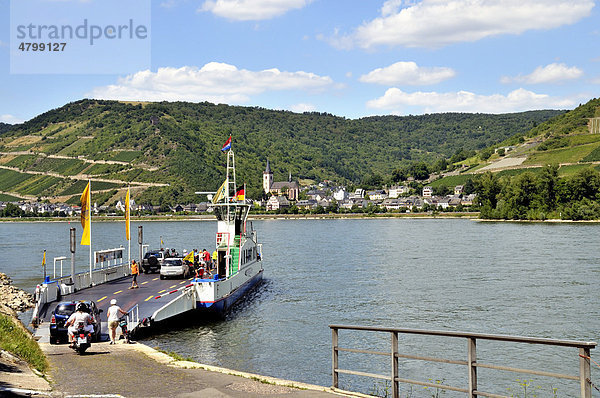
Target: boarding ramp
[{"x": 108, "y": 266}]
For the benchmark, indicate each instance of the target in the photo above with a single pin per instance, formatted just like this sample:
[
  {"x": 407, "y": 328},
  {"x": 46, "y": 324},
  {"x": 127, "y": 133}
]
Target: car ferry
[{"x": 238, "y": 266}]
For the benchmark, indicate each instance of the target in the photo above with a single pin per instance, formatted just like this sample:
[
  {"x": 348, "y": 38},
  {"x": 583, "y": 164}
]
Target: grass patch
[
  {"x": 16, "y": 341},
  {"x": 103, "y": 168},
  {"x": 77, "y": 187},
  {"x": 175, "y": 355},
  {"x": 11, "y": 178},
  {"x": 572, "y": 169},
  {"x": 37, "y": 185},
  {"x": 9, "y": 198},
  {"x": 75, "y": 148},
  {"x": 21, "y": 161},
  {"x": 126, "y": 156},
  {"x": 452, "y": 181},
  {"x": 563, "y": 155},
  {"x": 74, "y": 200}
]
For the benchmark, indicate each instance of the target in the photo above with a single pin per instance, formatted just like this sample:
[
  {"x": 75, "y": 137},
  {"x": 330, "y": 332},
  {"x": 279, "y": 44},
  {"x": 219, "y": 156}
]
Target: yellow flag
[
  {"x": 86, "y": 215},
  {"x": 189, "y": 257},
  {"x": 220, "y": 192},
  {"x": 127, "y": 235},
  {"x": 44, "y": 259}
]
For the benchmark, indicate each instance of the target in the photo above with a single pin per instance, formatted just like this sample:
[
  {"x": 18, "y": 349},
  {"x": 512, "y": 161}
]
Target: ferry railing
[
  {"x": 471, "y": 362},
  {"x": 133, "y": 317}
]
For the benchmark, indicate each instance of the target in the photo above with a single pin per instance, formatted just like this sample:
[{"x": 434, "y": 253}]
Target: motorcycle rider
[{"x": 81, "y": 314}]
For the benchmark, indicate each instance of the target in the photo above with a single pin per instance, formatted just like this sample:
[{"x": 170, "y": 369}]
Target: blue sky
[{"x": 352, "y": 58}]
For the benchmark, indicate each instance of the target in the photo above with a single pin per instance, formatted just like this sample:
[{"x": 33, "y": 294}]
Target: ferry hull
[{"x": 222, "y": 305}]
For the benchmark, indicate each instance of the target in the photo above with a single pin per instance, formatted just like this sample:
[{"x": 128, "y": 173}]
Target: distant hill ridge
[{"x": 178, "y": 143}]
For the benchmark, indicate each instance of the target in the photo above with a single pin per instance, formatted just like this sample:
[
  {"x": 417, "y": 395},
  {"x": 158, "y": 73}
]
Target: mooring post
[
  {"x": 395, "y": 390},
  {"x": 471, "y": 361},
  {"x": 72, "y": 247},
  {"x": 140, "y": 240},
  {"x": 334, "y": 353},
  {"x": 585, "y": 372}
]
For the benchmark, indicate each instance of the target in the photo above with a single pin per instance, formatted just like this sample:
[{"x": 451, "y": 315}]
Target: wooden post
[
  {"x": 334, "y": 359},
  {"x": 585, "y": 373},
  {"x": 395, "y": 392},
  {"x": 472, "y": 360}
]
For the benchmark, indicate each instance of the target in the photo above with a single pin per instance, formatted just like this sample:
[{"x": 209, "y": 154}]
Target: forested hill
[
  {"x": 179, "y": 143},
  {"x": 4, "y": 127}
]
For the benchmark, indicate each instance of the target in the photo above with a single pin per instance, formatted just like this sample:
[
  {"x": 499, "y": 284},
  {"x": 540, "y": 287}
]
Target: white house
[
  {"x": 427, "y": 192},
  {"x": 340, "y": 195}
]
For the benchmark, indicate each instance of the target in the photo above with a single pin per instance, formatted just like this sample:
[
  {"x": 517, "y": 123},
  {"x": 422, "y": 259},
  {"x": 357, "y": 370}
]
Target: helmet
[
  {"x": 81, "y": 307},
  {"x": 113, "y": 301}
]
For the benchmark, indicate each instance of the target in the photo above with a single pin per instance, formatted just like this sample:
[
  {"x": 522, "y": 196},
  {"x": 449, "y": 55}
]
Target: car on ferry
[
  {"x": 153, "y": 260},
  {"x": 175, "y": 267},
  {"x": 62, "y": 312}
]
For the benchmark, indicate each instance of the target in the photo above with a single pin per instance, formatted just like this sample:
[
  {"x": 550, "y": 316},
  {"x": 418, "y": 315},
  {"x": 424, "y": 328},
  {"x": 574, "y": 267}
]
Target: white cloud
[
  {"x": 251, "y": 10},
  {"x": 10, "y": 119},
  {"x": 303, "y": 107},
  {"x": 436, "y": 23},
  {"x": 553, "y": 73},
  {"x": 395, "y": 101},
  {"x": 408, "y": 73},
  {"x": 214, "y": 82}
]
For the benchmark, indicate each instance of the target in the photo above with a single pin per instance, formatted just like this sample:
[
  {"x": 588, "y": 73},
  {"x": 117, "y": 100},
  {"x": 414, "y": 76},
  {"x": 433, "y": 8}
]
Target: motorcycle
[
  {"x": 124, "y": 331},
  {"x": 82, "y": 339}
]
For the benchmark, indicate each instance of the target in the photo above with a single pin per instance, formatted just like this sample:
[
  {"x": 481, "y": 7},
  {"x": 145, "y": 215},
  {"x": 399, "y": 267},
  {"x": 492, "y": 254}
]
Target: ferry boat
[{"x": 238, "y": 265}]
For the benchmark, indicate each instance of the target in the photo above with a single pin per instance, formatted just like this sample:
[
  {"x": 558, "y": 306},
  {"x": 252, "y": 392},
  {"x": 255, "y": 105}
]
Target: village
[{"x": 279, "y": 197}]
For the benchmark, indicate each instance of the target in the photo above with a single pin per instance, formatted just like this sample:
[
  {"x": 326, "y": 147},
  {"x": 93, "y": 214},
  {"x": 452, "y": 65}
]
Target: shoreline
[
  {"x": 210, "y": 217},
  {"x": 331, "y": 216}
]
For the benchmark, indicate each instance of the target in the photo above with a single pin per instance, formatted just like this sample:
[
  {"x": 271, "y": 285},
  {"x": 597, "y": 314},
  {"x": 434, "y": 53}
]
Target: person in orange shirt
[{"x": 134, "y": 272}]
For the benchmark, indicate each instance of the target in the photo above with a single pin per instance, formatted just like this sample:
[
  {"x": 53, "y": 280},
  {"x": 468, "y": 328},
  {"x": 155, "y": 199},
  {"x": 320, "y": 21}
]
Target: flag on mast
[
  {"x": 127, "y": 215},
  {"x": 189, "y": 257},
  {"x": 44, "y": 259},
  {"x": 86, "y": 215},
  {"x": 227, "y": 145},
  {"x": 220, "y": 192},
  {"x": 240, "y": 194}
]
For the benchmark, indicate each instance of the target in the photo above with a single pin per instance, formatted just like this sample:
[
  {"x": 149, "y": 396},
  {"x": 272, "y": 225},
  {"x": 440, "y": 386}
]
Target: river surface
[{"x": 529, "y": 279}]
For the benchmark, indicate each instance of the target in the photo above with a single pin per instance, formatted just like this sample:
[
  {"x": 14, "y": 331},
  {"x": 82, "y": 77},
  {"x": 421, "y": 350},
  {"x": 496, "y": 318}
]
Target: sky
[{"x": 351, "y": 58}]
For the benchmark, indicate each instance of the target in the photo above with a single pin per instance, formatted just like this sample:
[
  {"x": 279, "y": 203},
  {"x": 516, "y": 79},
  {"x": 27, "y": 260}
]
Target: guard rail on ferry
[{"x": 471, "y": 362}]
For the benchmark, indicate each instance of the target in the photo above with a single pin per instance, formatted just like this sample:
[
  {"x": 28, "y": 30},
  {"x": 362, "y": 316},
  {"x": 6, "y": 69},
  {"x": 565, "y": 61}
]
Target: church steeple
[{"x": 267, "y": 178}]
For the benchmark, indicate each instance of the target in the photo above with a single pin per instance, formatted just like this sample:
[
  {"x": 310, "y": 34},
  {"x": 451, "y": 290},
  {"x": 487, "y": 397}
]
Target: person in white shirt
[
  {"x": 113, "y": 319},
  {"x": 80, "y": 315}
]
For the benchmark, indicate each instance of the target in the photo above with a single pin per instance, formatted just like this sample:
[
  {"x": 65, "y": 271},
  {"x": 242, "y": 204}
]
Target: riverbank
[{"x": 210, "y": 217}]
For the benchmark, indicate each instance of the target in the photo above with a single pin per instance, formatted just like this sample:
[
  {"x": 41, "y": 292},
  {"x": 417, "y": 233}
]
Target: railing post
[
  {"x": 334, "y": 358},
  {"x": 471, "y": 361},
  {"x": 585, "y": 373},
  {"x": 395, "y": 393}
]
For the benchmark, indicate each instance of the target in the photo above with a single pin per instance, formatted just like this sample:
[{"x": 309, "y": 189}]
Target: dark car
[
  {"x": 62, "y": 312},
  {"x": 152, "y": 261}
]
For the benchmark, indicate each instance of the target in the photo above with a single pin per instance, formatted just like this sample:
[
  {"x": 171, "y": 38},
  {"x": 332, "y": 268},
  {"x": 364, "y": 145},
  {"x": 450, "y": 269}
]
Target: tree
[{"x": 548, "y": 186}]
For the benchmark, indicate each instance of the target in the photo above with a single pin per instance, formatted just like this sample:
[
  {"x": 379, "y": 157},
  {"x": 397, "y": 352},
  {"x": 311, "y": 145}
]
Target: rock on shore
[{"x": 13, "y": 299}]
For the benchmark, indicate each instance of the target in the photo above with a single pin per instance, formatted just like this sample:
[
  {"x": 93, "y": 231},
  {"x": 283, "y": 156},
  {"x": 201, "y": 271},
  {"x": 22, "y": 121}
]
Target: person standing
[
  {"x": 135, "y": 271},
  {"x": 206, "y": 258},
  {"x": 113, "y": 319}
]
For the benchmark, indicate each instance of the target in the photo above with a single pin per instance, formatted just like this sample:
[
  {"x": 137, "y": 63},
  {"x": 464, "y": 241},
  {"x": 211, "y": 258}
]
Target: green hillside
[{"x": 179, "y": 143}]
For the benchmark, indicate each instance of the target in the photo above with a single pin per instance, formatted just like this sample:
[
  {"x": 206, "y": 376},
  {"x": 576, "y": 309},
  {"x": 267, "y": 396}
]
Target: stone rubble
[{"x": 13, "y": 299}]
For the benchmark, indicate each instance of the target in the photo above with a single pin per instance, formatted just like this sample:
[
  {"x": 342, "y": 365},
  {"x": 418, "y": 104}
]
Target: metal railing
[
  {"x": 471, "y": 362},
  {"x": 133, "y": 317}
]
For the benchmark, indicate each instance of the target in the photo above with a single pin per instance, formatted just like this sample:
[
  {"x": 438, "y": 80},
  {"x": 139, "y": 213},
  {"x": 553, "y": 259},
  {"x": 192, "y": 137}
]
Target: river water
[{"x": 529, "y": 279}]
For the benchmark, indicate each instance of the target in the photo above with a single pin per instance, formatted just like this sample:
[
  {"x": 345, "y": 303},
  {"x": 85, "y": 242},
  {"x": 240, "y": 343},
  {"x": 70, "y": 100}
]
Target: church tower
[{"x": 267, "y": 178}]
